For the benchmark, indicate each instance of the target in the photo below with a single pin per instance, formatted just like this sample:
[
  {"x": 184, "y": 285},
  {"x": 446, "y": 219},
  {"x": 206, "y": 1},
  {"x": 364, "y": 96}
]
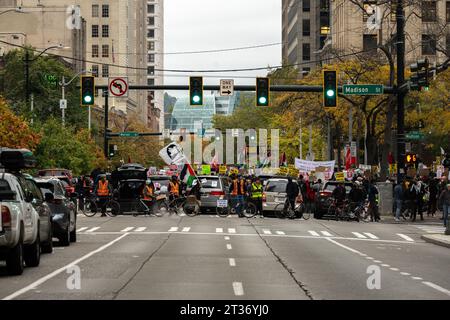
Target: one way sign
[{"x": 226, "y": 87}]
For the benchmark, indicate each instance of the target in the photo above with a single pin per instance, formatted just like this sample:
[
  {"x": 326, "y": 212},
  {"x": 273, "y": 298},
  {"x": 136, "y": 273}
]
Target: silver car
[
  {"x": 274, "y": 193},
  {"x": 213, "y": 188}
]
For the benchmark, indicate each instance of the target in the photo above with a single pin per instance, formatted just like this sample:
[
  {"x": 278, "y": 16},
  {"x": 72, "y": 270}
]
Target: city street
[{"x": 211, "y": 258}]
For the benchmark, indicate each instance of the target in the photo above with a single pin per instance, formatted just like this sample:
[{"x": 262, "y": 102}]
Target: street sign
[
  {"x": 414, "y": 135},
  {"x": 63, "y": 104},
  {"x": 226, "y": 87},
  {"x": 362, "y": 89},
  {"x": 118, "y": 86},
  {"x": 128, "y": 134}
]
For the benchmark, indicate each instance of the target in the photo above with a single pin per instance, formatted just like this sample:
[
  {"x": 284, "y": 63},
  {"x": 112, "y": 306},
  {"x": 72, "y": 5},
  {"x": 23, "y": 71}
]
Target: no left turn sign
[{"x": 118, "y": 87}]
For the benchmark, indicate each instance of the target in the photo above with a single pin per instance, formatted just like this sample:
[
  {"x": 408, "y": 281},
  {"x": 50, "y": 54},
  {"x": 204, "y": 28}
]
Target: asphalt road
[{"x": 209, "y": 258}]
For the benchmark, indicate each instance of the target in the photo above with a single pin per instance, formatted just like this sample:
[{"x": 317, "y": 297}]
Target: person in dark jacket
[
  {"x": 444, "y": 198},
  {"x": 432, "y": 204},
  {"x": 292, "y": 192},
  {"x": 373, "y": 206},
  {"x": 398, "y": 198},
  {"x": 339, "y": 194}
]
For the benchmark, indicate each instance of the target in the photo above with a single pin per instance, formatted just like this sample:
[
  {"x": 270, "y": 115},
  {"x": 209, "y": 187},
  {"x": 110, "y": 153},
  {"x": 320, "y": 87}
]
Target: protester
[{"x": 444, "y": 199}]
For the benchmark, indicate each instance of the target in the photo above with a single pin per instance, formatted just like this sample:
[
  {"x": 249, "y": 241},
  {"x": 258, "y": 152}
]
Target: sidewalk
[
  {"x": 439, "y": 239},
  {"x": 426, "y": 220}
]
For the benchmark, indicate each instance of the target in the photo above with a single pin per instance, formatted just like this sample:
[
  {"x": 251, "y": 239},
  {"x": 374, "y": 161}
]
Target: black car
[
  {"x": 322, "y": 202},
  {"x": 63, "y": 210},
  {"x": 128, "y": 182}
]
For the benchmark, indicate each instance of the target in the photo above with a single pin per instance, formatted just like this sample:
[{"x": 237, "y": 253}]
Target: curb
[{"x": 430, "y": 239}]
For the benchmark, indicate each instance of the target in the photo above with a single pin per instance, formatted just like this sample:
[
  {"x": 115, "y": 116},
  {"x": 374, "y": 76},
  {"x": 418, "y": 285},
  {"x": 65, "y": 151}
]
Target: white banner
[
  {"x": 173, "y": 154},
  {"x": 308, "y": 166}
]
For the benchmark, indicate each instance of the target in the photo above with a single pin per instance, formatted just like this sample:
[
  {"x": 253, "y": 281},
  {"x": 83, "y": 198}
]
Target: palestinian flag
[{"x": 187, "y": 174}]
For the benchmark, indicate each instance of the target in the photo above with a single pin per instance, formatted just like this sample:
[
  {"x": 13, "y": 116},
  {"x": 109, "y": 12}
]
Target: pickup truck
[{"x": 19, "y": 226}]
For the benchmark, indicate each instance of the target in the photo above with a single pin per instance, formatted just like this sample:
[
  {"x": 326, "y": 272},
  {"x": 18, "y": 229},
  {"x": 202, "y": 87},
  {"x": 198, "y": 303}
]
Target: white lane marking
[
  {"x": 417, "y": 278},
  {"x": 385, "y": 265},
  {"x": 229, "y": 247},
  {"x": 313, "y": 233},
  {"x": 231, "y": 230},
  {"x": 405, "y": 237},
  {"x": 219, "y": 230},
  {"x": 267, "y": 231},
  {"x": 60, "y": 270},
  {"x": 405, "y": 273},
  {"x": 436, "y": 287},
  {"x": 370, "y": 258},
  {"x": 173, "y": 229},
  {"x": 370, "y": 235},
  {"x": 343, "y": 246},
  {"x": 377, "y": 261},
  {"x": 140, "y": 229},
  {"x": 227, "y": 238},
  {"x": 232, "y": 262},
  {"x": 93, "y": 229},
  {"x": 127, "y": 229},
  {"x": 359, "y": 235},
  {"x": 394, "y": 269},
  {"x": 186, "y": 229},
  {"x": 280, "y": 233},
  {"x": 326, "y": 234},
  {"x": 238, "y": 289},
  {"x": 82, "y": 229}
]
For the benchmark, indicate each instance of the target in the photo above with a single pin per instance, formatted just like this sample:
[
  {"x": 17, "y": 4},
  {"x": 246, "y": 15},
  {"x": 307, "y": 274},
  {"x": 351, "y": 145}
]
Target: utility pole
[
  {"x": 63, "y": 97},
  {"x": 301, "y": 146},
  {"x": 329, "y": 146},
  {"x": 400, "y": 17},
  {"x": 27, "y": 76},
  {"x": 32, "y": 109}
]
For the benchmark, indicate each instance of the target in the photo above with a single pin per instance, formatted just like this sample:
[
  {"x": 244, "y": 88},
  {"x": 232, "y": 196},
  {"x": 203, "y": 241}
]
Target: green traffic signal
[
  {"x": 329, "y": 88},
  {"x": 196, "y": 91},
  {"x": 87, "y": 90},
  {"x": 262, "y": 92}
]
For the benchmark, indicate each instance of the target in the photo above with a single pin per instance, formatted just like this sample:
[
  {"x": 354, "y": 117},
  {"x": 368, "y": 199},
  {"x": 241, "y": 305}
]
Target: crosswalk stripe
[
  {"x": 313, "y": 233},
  {"x": 182, "y": 215},
  {"x": 370, "y": 235},
  {"x": 127, "y": 229},
  {"x": 280, "y": 233},
  {"x": 173, "y": 229},
  {"x": 186, "y": 229},
  {"x": 140, "y": 229},
  {"x": 359, "y": 235},
  {"x": 81, "y": 229},
  {"x": 326, "y": 234},
  {"x": 231, "y": 230},
  {"x": 219, "y": 230},
  {"x": 93, "y": 229},
  {"x": 267, "y": 231},
  {"x": 405, "y": 237}
]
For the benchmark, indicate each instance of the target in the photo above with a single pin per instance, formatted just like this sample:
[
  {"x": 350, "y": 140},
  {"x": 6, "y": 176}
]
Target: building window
[
  {"x": 306, "y": 52},
  {"x": 447, "y": 11},
  {"x": 105, "y": 51},
  {"x": 95, "y": 11},
  {"x": 151, "y": 21},
  {"x": 370, "y": 42},
  {"x": 95, "y": 70},
  {"x": 105, "y": 11},
  {"x": 151, "y": 57},
  {"x": 429, "y": 11},
  {"x": 151, "y": 45},
  {"x": 151, "y": 82},
  {"x": 151, "y": 71},
  {"x": 150, "y": 8},
  {"x": 150, "y": 33},
  {"x": 94, "y": 31},
  {"x": 428, "y": 45},
  {"x": 306, "y": 28},
  {"x": 306, "y": 6},
  {"x": 105, "y": 71},
  {"x": 105, "y": 31},
  {"x": 94, "y": 51}
]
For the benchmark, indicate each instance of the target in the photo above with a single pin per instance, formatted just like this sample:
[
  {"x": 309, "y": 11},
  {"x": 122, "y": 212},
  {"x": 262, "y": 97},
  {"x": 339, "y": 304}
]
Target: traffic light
[
  {"x": 196, "y": 91},
  {"x": 112, "y": 150},
  {"x": 330, "y": 88},
  {"x": 87, "y": 90},
  {"x": 411, "y": 158},
  {"x": 262, "y": 92},
  {"x": 420, "y": 78}
]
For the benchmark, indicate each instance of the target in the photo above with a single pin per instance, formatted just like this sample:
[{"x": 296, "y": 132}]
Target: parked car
[
  {"x": 19, "y": 220},
  {"x": 274, "y": 193},
  {"x": 265, "y": 177},
  {"x": 212, "y": 189},
  {"x": 323, "y": 198},
  {"x": 63, "y": 210},
  {"x": 55, "y": 173}
]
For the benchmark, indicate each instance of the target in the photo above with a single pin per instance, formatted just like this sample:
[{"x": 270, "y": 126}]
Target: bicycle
[
  {"x": 191, "y": 206},
  {"x": 338, "y": 211},
  {"x": 111, "y": 207},
  {"x": 285, "y": 210},
  {"x": 158, "y": 203}
]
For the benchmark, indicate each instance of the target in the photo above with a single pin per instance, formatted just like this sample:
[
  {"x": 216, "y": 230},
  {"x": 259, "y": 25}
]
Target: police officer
[
  {"x": 103, "y": 190},
  {"x": 256, "y": 195}
]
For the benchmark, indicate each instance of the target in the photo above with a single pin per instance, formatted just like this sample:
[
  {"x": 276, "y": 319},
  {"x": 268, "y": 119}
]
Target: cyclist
[
  {"x": 237, "y": 191},
  {"x": 256, "y": 195},
  {"x": 339, "y": 195},
  {"x": 148, "y": 194},
  {"x": 174, "y": 188},
  {"x": 292, "y": 192},
  {"x": 103, "y": 191}
]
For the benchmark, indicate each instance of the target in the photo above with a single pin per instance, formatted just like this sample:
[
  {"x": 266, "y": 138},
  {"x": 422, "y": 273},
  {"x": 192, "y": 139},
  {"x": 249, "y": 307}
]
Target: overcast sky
[{"x": 191, "y": 25}]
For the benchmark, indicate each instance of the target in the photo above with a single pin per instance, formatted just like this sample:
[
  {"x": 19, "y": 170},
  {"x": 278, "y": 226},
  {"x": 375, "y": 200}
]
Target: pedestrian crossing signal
[{"x": 411, "y": 158}]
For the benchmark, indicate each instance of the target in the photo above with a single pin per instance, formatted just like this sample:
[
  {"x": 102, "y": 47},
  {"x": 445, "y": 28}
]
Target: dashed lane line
[
  {"x": 231, "y": 230},
  {"x": 232, "y": 262},
  {"x": 229, "y": 247},
  {"x": 359, "y": 235},
  {"x": 127, "y": 229},
  {"x": 370, "y": 235},
  {"x": 267, "y": 231},
  {"x": 326, "y": 233},
  {"x": 93, "y": 229},
  {"x": 314, "y": 233},
  {"x": 173, "y": 229},
  {"x": 140, "y": 229},
  {"x": 238, "y": 289},
  {"x": 186, "y": 229},
  {"x": 219, "y": 230},
  {"x": 82, "y": 229},
  {"x": 405, "y": 237}
]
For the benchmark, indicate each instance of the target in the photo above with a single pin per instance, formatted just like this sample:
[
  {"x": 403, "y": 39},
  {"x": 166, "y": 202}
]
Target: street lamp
[
  {"x": 18, "y": 10},
  {"x": 27, "y": 61}
]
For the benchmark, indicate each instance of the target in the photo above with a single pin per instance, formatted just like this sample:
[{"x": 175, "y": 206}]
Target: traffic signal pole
[
  {"x": 106, "y": 95},
  {"x": 400, "y": 17}
]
